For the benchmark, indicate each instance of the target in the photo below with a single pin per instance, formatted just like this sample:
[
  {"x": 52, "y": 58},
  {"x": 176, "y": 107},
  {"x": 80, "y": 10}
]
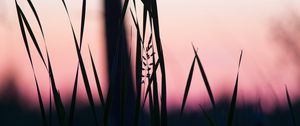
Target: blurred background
[{"x": 267, "y": 30}]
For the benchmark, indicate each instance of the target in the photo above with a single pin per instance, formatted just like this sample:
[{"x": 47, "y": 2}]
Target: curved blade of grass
[
  {"x": 57, "y": 99},
  {"x": 82, "y": 20},
  {"x": 83, "y": 15},
  {"x": 29, "y": 55},
  {"x": 147, "y": 6},
  {"x": 155, "y": 92},
  {"x": 107, "y": 106},
  {"x": 73, "y": 101},
  {"x": 81, "y": 64},
  {"x": 36, "y": 17},
  {"x": 144, "y": 21},
  {"x": 123, "y": 11},
  {"x": 290, "y": 106},
  {"x": 40, "y": 99},
  {"x": 74, "y": 94},
  {"x": 138, "y": 79},
  {"x": 41, "y": 102},
  {"x": 151, "y": 108},
  {"x": 29, "y": 29},
  {"x": 121, "y": 27},
  {"x": 234, "y": 96},
  {"x": 97, "y": 79},
  {"x": 187, "y": 87},
  {"x": 134, "y": 4},
  {"x": 138, "y": 70},
  {"x": 50, "y": 106},
  {"x": 204, "y": 77},
  {"x": 85, "y": 79},
  {"x": 23, "y": 33},
  {"x": 136, "y": 23},
  {"x": 164, "y": 118}
]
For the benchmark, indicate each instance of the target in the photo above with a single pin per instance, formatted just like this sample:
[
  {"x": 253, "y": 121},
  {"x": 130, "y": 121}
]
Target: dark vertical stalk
[{"x": 119, "y": 65}]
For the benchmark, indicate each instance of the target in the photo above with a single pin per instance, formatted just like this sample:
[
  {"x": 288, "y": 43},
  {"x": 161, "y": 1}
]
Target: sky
[{"x": 219, "y": 29}]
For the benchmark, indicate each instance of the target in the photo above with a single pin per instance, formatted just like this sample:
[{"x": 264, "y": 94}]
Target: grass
[
  {"x": 290, "y": 106},
  {"x": 234, "y": 96},
  {"x": 188, "y": 85},
  {"x": 149, "y": 57}
]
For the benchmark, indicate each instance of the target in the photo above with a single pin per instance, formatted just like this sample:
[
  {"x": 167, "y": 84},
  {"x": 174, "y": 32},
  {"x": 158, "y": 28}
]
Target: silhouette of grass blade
[
  {"x": 36, "y": 17},
  {"x": 155, "y": 93},
  {"x": 204, "y": 77},
  {"x": 81, "y": 64},
  {"x": 123, "y": 13},
  {"x": 97, "y": 79},
  {"x": 138, "y": 78},
  {"x": 144, "y": 21},
  {"x": 50, "y": 106},
  {"x": 136, "y": 23},
  {"x": 29, "y": 55},
  {"x": 85, "y": 79},
  {"x": 290, "y": 106},
  {"x": 83, "y": 13},
  {"x": 138, "y": 70},
  {"x": 57, "y": 99},
  {"x": 29, "y": 29},
  {"x": 41, "y": 102},
  {"x": 73, "y": 101},
  {"x": 187, "y": 87},
  {"x": 23, "y": 33},
  {"x": 107, "y": 107},
  {"x": 151, "y": 108},
  {"x": 64, "y": 3},
  {"x": 234, "y": 96},
  {"x": 164, "y": 118}
]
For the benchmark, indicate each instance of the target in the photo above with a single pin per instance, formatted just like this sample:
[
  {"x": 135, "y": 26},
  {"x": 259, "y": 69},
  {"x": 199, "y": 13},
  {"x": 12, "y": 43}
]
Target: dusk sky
[{"x": 219, "y": 29}]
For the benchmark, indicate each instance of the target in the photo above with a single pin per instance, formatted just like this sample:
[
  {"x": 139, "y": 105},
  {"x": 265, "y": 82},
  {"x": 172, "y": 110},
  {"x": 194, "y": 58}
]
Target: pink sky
[{"x": 220, "y": 29}]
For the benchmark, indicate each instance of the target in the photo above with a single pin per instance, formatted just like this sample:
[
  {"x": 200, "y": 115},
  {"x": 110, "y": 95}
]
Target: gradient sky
[{"x": 219, "y": 28}]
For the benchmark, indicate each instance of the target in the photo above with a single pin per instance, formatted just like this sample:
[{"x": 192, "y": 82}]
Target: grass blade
[
  {"x": 107, "y": 107},
  {"x": 29, "y": 29},
  {"x": 97, "y": 80},
  {"x": 82, "y": 20},
  {"x": 123, "y": 12},
  {"x": 164, "y": 118},
  {"x": 138, "y": 71},
  {"x": 187, "y": 87},
  {"x": 81, "y": 64},
  {"x": 30, "y": 58},
  {"x": 36, "y": 17},
  {"x": 73, "y": 101},
  {"x": 23, "y": 33},
  {"x": 57, "y": 99},
  {"x": 50, "y": 106},
  {"x": 41, "y": 102},
  {"x": 151, "y": 108},
  {"x": 85, "y": 79},
  {"x": 204, "y": 77},
  {"x": 234, "y": 96},
  {"x": 144, "y": 20},
  {"x": 66, "y": 9},
  {"x": 136, "y": 23},
  {"x": 155, "y": 93},
  {"x": 290, "y": 106}
]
